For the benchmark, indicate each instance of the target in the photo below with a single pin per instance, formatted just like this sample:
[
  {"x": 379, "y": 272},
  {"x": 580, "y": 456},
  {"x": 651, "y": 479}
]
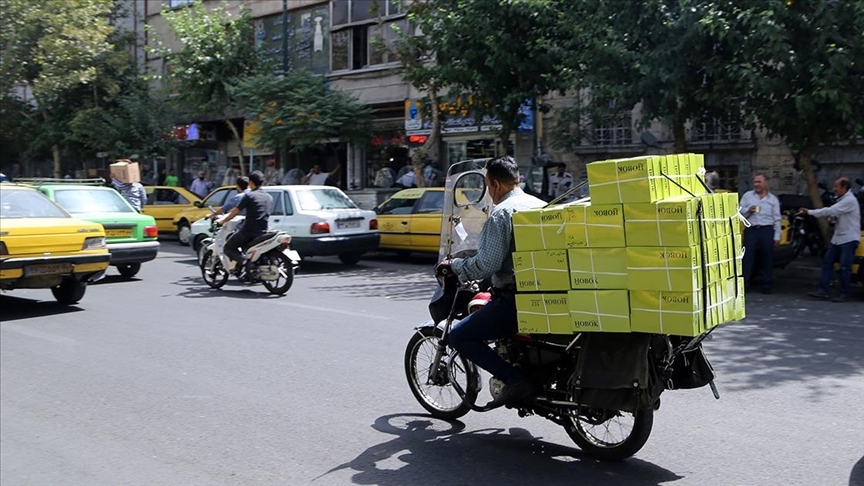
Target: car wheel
[
  {"x": 196, "y": 242},
  {"x": 69, "y": 292},
  {"x": 184, "y": 232},
  {"x": 129, "y": 270},
  {"x": 350, "y": 258}
]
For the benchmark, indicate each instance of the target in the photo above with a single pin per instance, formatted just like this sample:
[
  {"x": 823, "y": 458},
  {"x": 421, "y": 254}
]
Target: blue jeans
[
  {"x": 759, "y": 249},
  {"x": 845, "y": 254},
  {"x": 495, "y": 320}
]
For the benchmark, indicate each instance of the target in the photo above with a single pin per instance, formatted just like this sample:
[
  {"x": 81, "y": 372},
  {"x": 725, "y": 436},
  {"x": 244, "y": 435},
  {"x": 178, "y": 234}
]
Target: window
[
  {"x": 218, "y": 198},
  {"x": 613, "y": 130},
  {"x": 81, "y": 201},
  {"x": 360, "y": 41},
  {"x": 178, "y": 3},
  {"x": 15, "y": 204},
  {"x": 278, "y": 206},
  {"x": 710, "y": 129},
  {"x": 398, "y": 206},
  {"x": 323, "y": 199},
  {"x": 432, "y": 203}
]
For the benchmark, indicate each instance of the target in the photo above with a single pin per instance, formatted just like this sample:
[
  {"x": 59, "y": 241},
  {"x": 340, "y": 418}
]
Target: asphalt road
[{"x": 160, "y": 381}]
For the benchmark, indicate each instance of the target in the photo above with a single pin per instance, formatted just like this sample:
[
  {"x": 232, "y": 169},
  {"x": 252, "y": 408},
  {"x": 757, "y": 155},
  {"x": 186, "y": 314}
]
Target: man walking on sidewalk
[
  {"x": 847, "y": 237},
  {"x": 762, "y": 210}
]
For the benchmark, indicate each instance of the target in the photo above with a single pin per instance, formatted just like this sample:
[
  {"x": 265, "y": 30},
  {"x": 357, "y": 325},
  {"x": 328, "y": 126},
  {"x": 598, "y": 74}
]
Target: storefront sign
[{"x": 459, "y": 116}]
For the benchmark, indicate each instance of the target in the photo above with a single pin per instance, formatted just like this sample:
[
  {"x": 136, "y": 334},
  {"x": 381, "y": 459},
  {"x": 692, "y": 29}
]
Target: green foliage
[
  {"x": 300, "y": 107},
  {"x": 217, "y": 50}
]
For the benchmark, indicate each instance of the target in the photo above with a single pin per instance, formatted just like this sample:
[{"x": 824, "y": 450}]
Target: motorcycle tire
[
  {"x": 286, "y": 272},
  {"x": 219, "y": 276},
  {"x": 441, "y": 401},
  {"x": 603, "y": 447}
]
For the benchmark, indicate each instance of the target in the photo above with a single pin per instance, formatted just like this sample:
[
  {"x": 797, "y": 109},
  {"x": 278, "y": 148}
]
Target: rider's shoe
[{"x": 516, "y": 392}]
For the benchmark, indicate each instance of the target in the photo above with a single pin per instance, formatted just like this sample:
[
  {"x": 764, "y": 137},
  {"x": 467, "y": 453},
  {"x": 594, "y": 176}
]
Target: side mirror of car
[{"x": 199, "y": 204}]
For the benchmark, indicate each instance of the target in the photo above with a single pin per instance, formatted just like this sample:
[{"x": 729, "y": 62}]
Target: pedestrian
[
  {"x": 560, "y": 182},
  {"x": 317, "y": 178},
  {"x": 199, "y": 185},
  {"x": 385, "y": 177},
  {"x": 432, "y": 177},
  {"x": 407, "y": 180},
  {"x": 171, "y": 180},
  {"x": 762, "y": 210},
  {"x": 844, "y": 242},
  {"x": 134, "y": 192}
]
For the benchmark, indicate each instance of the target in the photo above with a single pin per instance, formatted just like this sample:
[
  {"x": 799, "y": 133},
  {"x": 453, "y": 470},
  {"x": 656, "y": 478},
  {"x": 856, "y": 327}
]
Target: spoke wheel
[
  {"x": 286, "y": 273},
  {"x": 608, "y": 434},
  {"x": 215, "y": 275},
  {"x": 437, "y": 394}
]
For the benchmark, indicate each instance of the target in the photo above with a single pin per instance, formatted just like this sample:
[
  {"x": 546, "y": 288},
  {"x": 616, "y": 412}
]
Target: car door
[
  {"x": 278, "y": 220},
  {"x": 394, "y": 219},
  {"x": 163, "y": 203},
  {"x": 425, "y": 223}
]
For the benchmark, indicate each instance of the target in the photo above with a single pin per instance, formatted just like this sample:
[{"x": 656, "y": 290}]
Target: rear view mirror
[{"x": 469, "y": 189}]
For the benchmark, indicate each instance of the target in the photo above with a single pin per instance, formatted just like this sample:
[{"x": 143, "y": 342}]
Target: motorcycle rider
[
  {"x": 497, "y": 319},
  {"x": 844, "y": 242},
  {"x": 242, "y": 186},
  {"x": 257, "y": 205}
]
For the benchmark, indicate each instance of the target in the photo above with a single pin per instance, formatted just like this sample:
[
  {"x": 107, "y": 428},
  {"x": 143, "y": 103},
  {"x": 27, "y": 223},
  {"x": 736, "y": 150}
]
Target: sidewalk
[{"x": 802, "y": 276}]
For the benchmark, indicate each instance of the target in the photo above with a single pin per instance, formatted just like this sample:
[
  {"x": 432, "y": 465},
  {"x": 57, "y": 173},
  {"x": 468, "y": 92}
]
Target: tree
[
  {"x": 298, "y": 110},
  {"x": 217, "y": 51},
  {"x": 51, "y": 48},
  {"x": 800, "y": 69},
  {"x": 653, "y": 52}
]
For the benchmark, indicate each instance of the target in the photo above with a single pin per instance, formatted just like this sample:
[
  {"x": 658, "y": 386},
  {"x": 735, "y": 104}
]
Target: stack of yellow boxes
[{"x": 643, "y": 255}]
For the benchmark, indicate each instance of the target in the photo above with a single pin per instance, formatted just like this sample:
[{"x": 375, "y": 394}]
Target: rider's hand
[
  {"x": 801, "y": 212},
  {"x": 443, "y": 268}
]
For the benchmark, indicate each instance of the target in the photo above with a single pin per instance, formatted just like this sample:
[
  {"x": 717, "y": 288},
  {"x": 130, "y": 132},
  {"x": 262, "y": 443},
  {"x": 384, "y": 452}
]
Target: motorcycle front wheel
[
  {"x": 608, "y": 434},
  {"x": 218, "y": 276},
  {"x": 434, "y": 390},
  {"x": 286, "y": 273}
]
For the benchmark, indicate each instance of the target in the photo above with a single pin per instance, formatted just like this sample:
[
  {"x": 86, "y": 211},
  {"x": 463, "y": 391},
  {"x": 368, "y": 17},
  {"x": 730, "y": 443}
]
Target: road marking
[
  {"x": 26, "y": 331},
  {"x": 336, "y": 311}
]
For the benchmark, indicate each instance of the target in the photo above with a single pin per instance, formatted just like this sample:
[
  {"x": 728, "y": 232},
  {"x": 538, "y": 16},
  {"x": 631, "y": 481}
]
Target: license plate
[
  {"x": 47, "y": 269},
  {"x": 347, "y": 224},
  {"x": 114, "y": 233}
]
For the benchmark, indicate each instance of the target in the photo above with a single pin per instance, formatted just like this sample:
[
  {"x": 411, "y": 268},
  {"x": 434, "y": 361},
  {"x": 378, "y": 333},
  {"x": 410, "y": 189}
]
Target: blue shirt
[
  {"x": 769, "y": 211},
  {"x": 496, "y": 244}
]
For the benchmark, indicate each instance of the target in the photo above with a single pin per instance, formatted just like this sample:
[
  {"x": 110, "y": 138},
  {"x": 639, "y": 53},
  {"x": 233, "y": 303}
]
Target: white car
[{"x": 321, "y": 220}]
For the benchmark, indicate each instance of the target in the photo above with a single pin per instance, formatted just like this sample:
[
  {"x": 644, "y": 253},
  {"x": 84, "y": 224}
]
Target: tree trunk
[
  {"x": 239, "y": 143},
  {"x": 429, "y": 149},
  {"x": 679, "y": 135},
  {"x": 804, "y": 158},
  {"x": 504, "y": 137},
  {"x": 55, "y": 151}
]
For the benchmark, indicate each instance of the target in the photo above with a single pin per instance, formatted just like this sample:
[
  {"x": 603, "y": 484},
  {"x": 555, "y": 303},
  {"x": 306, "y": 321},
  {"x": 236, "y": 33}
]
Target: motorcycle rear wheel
[
  {"x": 219, "y": 276},
  {"x": 619, "y": 436},
  {"x": 286, "y": 273},
  {"x": 442, "y": 401}
]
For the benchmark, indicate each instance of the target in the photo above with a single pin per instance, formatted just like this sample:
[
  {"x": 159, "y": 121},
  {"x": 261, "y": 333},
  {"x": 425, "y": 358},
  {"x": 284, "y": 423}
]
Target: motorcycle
[
  {"x": 602, "y": 388},
  {"x": 273, "y": 262}
]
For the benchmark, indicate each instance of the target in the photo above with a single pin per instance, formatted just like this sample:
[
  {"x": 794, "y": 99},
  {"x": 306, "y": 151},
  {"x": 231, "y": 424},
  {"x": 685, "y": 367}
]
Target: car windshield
[
  {"x": 318, "y": 199},
  {"x": 28, "y": 204},
  {"x": 78, "y": 201}
]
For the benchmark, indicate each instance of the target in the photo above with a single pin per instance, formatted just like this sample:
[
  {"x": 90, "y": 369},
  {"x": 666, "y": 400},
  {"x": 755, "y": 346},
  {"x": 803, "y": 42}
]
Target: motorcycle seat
[{"x": 265, "y": 236}]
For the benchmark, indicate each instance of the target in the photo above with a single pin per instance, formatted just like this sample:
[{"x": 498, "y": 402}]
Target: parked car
[
  {"x": 321, "y": 220},
  {"x": 130, "y": 236},
  {"x": 164, "y": 202},
  {"x": 184, "y": 219},
  {"x": 410, "y": 220},
  {"x": 43, "y": 246}
]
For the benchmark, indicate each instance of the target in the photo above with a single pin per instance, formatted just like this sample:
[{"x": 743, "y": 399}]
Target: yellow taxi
[
  {"x": 164, "y": 202},
  {"x": 183, "y": 220},
  {"x": 43, "y": 246},
  {"x": 410, "y": 220}
]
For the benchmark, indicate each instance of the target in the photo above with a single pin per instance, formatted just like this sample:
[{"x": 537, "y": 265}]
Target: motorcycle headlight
[{"x": 94, "y": 243}]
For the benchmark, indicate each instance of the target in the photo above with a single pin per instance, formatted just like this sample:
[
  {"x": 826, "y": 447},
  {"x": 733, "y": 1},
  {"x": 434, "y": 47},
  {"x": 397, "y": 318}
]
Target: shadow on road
[
  {"x": 431, "y": 451},
  {"x": 113, "y": 279},
  {"x": 790, "y": 340},
  {"x": 395, "y": 283},
  {"x": 16, "y": 308},
  {"x": 195, "y": 288}
]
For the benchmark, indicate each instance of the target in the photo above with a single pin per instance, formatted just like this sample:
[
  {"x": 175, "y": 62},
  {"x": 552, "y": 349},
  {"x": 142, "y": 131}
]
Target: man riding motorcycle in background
[
  {"x": 257, "y": 205},
  {"x": 497, "y": 319}
]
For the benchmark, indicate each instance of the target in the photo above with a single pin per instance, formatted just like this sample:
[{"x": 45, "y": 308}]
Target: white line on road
[{"x": 26, "y": 331}]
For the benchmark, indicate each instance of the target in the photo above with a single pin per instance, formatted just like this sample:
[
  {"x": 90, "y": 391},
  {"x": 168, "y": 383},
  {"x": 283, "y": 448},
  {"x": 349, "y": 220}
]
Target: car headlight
[{"x": 94, "y": 243}]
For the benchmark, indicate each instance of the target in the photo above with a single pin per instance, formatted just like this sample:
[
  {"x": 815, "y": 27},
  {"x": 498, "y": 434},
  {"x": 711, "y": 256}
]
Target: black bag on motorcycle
[{"x": 613, "y": 372}]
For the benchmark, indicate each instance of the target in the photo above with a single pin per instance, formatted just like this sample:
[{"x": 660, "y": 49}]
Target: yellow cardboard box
[
  {"x": 546, "y": 313},
  {"x": 594, "y": 225},
  {"x": 675, "y": 313},
  {"x": 664, "y": 268},
  {"x": 626, "y": 180},
  {"x": 709, "y": 219},
  {"x": 544, "y": 270},
  {"x": 738, "y": 303},
  {"x": 668, "y": 222},
  {"x": 540, "y": 229},
  {"x": 598, "y": 268},
  {"x": 599, "y": 310},
  {"x": 696, "y": 165}
]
